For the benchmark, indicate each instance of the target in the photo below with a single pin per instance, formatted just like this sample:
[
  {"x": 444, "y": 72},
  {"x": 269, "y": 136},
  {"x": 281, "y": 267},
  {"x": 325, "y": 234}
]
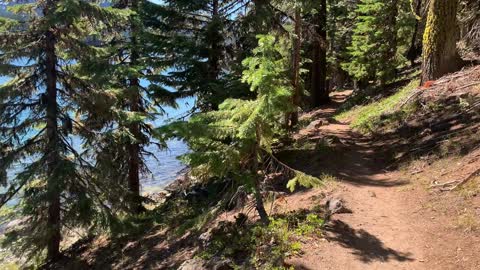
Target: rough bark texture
[
  {"x": 53, "y": 155},
  {"x": 320, "y": 93},
  {"x": 440, "y": 54},
  {"x": 259, "y": 204},
  {"x": 134, "y": 152}
]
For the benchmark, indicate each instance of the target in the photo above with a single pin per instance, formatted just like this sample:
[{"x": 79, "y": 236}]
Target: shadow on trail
[
  {"x": 367, "y": 247},
  {"x": 351, "y": 161},
  {"x": 150, "y": 251},
  {"x": 339, "y": 151}
]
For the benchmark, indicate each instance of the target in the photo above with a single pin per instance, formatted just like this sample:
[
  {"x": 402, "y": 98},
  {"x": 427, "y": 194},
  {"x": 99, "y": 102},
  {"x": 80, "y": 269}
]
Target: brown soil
[{"x": 397, "y": 221}]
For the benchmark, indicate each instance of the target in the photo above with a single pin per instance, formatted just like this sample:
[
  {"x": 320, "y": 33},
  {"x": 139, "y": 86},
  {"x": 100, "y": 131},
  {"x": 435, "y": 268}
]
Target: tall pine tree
[
  {"x": 38, "y": 52},
  {"x": 374, "y": 42},
  {"x": 131, "y": 87},
  {"x": 199, "y": 41},
  {"x": 236, "y": 141}
]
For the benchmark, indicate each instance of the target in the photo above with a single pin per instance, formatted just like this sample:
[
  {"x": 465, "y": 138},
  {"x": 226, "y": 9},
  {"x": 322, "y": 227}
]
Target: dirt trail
[{"x": 389, "y": 227}]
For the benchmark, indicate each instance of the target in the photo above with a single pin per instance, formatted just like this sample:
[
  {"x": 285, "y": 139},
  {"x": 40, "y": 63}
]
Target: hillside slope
[{"x": 410, "y": 182}]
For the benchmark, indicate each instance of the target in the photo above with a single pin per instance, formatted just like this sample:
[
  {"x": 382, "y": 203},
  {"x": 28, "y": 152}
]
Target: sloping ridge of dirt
[
  {"x": 400, "y": 219},
  {"x": 397, "y": 220}
]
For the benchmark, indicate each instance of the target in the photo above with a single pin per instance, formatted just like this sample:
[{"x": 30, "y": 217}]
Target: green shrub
[{"x": 259, "y": 246}]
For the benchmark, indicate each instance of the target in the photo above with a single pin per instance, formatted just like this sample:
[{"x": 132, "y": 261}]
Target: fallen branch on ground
[
  {"x": 470, "y": 177},
  {"x": 442, "y": 185},
  {"x": 453, "y": 185}
]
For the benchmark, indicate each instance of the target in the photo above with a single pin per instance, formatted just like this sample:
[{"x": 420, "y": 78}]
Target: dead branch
[
  {"x": 470, "y": 177},
  {"x": 446, "y": 184}
]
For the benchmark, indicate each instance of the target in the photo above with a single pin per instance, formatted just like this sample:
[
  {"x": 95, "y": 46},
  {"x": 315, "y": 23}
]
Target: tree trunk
[
  {"x": 53, "y": 152},
  {"x": 391, "y": 37},
  {"x": 134, "y": 153},
  {"x": 440, "y": 54},
  {"x": 297, "y": 94},
  {"x": 134, "y": 149},
  {"x": 414, "y": 51},
  {"x": 320, "y": 91},
  {"x": 214, "y": 54},
  {"x": 258, "y": 193}
]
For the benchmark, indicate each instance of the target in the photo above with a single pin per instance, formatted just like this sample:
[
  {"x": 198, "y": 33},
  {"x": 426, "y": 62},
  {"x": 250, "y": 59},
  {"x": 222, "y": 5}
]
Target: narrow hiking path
[{"x": 388, "y": 228}]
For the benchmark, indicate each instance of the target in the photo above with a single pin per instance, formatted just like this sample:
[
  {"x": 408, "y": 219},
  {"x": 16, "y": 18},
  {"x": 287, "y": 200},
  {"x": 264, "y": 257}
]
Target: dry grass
[
  {"x": 470, "y": 189},
  {"x": 468, "y": 222}
]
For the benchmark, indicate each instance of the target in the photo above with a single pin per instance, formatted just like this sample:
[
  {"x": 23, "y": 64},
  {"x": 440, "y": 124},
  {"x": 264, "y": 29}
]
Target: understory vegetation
[
  {"x": 381, "y": 113},
  {"x": 257, "y": 246}
]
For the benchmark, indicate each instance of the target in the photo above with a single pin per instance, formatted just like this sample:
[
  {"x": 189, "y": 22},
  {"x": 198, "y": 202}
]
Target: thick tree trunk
[
  {"x": 297, "y": 94},
  {"x": 53, "y": 157},
  {"x": 319, "y": 88},
  {"x": 134, "y": 153},
  {"x": 440, "y": 54}
]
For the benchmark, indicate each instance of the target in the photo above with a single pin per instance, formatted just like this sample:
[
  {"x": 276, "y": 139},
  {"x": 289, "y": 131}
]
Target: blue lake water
[{"x": 165, "y": 166}]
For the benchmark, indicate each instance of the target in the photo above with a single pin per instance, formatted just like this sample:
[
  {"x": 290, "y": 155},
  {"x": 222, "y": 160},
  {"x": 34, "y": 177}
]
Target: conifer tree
[
  {"x": 236, "y": 141},
  {"x": 340, "y": 16},
  {"x": 38, "y": 51},
  {"x": 131, "y": 87},
  {"x": 319, "y": 88},
  {"x": 199, "y": 47},
  {"x": 374, "y": 44}
]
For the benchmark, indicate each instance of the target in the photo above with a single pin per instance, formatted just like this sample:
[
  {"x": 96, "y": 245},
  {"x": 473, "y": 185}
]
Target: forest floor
[
  {"x": 397, "y": 222},
  {"x": 401, "y": 216}
]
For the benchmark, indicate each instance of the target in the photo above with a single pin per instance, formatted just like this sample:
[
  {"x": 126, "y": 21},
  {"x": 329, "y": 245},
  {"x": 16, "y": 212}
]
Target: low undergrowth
[
  {"x": 380, "y": 113},
  {"x": 255, "y": 246}
]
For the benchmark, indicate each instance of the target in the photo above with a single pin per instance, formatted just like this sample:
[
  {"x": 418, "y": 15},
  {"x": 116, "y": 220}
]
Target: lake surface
[{"x": 165, "y": 166}]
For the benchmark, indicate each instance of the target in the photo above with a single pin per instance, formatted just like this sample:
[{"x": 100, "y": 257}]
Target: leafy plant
[{"x": 236, "y": 140}]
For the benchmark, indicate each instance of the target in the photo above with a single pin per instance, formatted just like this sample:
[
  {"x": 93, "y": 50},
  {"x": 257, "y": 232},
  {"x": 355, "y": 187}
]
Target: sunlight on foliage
[{"x": 368, "y": 118}]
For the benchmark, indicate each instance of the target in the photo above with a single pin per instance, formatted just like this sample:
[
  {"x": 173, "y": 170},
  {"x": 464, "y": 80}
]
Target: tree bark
[
  {"x": 134, "y": 153},
  {"x": 297, "y": 94},
  {"x": 134, "y": 149},
  {"x": 53, "y": 157},
  {"x": 320, "y": 91},
  {"x": 214, "y": 54},
  {"x": 258, "y": 193},
  {"x": 440, "y": 54},
  {"x": 415, "y": 50}
]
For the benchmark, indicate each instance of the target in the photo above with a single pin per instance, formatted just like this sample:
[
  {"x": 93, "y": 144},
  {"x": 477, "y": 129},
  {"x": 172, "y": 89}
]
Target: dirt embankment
[{"x": 401, "y": 185}]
